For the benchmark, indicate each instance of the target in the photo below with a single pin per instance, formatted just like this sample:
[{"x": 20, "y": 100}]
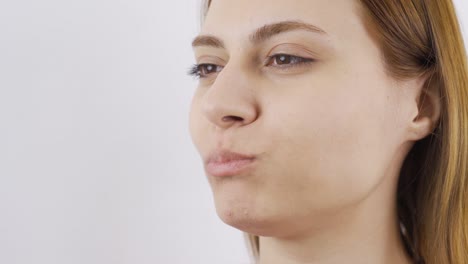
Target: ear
[{"x": 427, "y": 107}]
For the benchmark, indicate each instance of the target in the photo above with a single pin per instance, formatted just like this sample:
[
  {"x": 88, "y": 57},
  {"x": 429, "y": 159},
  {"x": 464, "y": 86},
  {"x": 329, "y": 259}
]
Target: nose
[{"x": 230, "y": 100}]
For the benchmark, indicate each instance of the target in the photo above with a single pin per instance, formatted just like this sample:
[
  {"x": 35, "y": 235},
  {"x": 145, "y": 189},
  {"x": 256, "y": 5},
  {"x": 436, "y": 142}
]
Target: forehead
[{"x": 237, "y": 19}]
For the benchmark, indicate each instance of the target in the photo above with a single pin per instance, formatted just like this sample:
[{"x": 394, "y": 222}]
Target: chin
[
  {"x": 247, "y": 218},
  {"x": 241, "y": 204}
]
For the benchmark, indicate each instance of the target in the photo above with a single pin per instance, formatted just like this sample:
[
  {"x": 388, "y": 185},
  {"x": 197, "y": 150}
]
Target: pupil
[{"x": 284, "y": 59}]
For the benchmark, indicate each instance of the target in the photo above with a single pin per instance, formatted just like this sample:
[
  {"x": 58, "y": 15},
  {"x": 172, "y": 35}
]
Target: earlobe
[{"x": 428, "y": 112}]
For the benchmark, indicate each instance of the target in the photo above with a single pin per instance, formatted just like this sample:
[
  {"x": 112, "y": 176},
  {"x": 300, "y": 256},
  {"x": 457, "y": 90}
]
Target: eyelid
[
  {"x": 293, "y": 49},
  {"x": 209, "y": 59}
]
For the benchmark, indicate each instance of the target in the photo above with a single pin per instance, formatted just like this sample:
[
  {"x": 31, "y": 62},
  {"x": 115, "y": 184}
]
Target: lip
[{"x": 226, "y": 163}]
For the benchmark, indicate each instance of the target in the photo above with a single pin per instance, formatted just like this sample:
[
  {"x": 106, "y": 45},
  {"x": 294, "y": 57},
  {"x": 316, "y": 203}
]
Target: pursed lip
[{"x": 227, "y": 163}]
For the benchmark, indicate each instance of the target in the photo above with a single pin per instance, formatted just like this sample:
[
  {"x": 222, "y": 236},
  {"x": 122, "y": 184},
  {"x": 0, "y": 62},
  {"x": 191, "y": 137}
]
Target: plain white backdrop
[{"x": 96, "y": 161}]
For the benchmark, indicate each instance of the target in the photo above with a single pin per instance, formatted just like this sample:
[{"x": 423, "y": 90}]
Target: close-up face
[{"x": 301, "y": 86}]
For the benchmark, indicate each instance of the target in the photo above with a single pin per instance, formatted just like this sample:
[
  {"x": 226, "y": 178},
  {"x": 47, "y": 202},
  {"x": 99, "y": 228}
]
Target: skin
[{"x": 330, "y": 136}]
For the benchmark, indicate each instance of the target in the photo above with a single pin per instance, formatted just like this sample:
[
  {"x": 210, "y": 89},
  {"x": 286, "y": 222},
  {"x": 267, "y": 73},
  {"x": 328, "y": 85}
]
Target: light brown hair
[{"x": 423, "y": 37}]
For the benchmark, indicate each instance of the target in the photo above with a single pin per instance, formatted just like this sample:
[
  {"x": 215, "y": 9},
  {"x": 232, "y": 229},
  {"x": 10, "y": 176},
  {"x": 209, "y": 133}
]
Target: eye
[
  {"x": 286, "y": 60},
  {"x": 281, "y": 60},
  {"x": 203, "y": 70}
]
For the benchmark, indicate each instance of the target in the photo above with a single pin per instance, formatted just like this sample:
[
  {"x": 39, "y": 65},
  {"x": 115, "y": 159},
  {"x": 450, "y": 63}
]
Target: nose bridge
[{"x": 230, "y": 100}]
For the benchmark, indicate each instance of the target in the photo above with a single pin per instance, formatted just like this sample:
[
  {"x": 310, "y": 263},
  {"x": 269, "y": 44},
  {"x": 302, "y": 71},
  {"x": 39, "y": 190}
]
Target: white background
[{"x": 96, "y": 161}]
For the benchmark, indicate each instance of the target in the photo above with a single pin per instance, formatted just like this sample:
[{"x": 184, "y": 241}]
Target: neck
[
  {"x": 367, "y": 232},
  {"x": 364, "y": 244}
]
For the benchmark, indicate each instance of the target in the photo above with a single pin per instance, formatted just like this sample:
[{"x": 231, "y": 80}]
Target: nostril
[{"x": 235, "y": 118}]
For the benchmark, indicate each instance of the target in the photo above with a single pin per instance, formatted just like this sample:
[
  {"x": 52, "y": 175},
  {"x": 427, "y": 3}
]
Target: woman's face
[{"x": 325, "y": 122}]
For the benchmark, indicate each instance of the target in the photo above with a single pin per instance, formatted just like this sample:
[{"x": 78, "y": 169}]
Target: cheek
[
  {"x": 334, "y": 143},
  {"x": 195, "y": 123}
]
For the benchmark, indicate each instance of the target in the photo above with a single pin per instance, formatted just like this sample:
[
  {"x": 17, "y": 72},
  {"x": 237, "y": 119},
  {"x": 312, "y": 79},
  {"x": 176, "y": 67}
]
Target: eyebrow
[{"x": 261, "y": 34}]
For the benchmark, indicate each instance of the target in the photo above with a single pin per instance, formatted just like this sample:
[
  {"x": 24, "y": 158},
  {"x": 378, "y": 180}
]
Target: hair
[{"x": 423, "y": 37}]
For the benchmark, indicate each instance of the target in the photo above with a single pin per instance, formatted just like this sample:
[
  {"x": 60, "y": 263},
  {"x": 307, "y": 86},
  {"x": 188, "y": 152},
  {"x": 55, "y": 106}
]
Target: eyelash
[{"x": 197, "y": 69}]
